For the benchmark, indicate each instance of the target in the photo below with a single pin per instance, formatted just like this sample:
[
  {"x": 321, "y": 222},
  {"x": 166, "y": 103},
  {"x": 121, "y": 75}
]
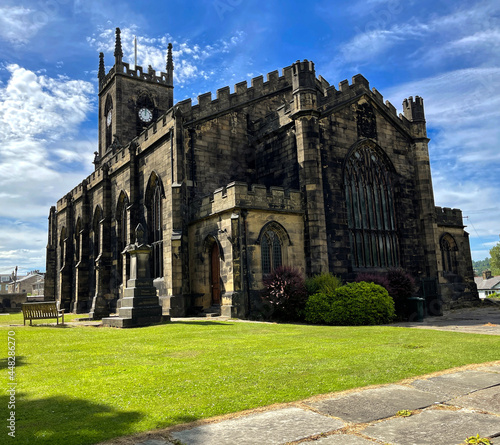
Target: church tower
[{"x": 130, "y": 99}]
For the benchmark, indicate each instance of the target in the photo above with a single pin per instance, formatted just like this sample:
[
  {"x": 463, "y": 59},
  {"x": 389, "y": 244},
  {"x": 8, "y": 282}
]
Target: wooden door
[{"x": 215, "y": 274}]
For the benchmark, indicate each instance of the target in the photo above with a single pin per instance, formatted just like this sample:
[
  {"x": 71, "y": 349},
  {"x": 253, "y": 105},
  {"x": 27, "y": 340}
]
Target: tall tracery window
[
  {"x": 271, "y": 248},
  {"x": 448, "y": 253},
  {"x": 96, "y": 228},
  {"x": 78, "y": 229},
  {"x": 62, "y": 244},
  {"x": 370, "y": 209},
  {"x": 122, "y": 238},
  {"x": 154, "y": 197},
  {"x": 157, "y": 234}
]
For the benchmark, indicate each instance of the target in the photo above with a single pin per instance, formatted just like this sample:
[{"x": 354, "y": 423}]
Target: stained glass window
[
  {"x": 270, "y": 251},
  {"x": 370, "y": 210}
]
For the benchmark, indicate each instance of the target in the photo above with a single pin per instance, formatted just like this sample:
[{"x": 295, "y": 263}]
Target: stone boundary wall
[{"x": 12, "y": 302}]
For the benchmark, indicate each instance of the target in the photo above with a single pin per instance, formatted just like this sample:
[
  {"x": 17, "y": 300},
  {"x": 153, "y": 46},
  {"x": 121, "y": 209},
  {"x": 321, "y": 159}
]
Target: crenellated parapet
[
  {"x": 138, "y": 73},
  {"x": 449, "y": 217},
  {"x": 226, "y": 100},
  {"x": 346, "y": 92},
  {"x": 122, "y": 68},
  {"x": 413, "y": 109},
  {"x": 241, "y": 195}
]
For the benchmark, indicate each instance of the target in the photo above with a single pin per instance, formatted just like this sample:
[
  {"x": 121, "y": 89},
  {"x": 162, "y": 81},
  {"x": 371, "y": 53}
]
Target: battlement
[
  {"x": 240, "y": 195},
  {"x": 360, "y": 85},
  {"x": 304, "y": 76},
  {"x": 449, "y": 217},
  {"x": 137, "y": 73},
  {"x": 414, "y": 109},
  {"x": 304, "y": 66},
  {"x": 242, "y": 93}
]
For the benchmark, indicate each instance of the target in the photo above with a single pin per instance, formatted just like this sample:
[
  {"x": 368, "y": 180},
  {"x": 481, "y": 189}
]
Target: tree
[
  {"x": 480, "y": 266},
  {"x": 495, "y": 260}
]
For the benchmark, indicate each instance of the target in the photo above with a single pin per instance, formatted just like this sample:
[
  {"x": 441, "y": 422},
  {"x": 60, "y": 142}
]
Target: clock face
[
  {"x": 109, "y": 117},
  {"x": 145, "y": 115}
]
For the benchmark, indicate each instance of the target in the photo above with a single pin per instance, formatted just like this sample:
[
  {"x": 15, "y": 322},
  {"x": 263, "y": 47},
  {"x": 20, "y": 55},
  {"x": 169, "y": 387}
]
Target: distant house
[
  {"x": 487, "y": 284},
  {"x": 5, "y": 280},
  {"x": 38, "y": 285},
  {"x": 25, "y": 284}
]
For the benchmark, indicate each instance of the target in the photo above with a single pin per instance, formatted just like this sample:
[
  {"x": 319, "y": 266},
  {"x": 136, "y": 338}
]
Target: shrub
[
  {"x": 399, "y": 283},
  {"x": 318, "y": 307},
  {"x": 377, "y": 278},
  {"x": 402, "y": 286},
  {"x": 325, "y": 283},
  {"x": 354, "y": 304},
  {"x": 285, "y": 292}
]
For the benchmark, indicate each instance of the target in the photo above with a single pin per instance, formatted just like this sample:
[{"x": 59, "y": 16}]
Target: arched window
[
  {"x": 122, "y": 235},
  {"x": 272, "y": 239},
  {"x": 62, "y": 240},
  {"x": 154, "y": 198},
  {"x": 78, "y": 229},
  {"x": 96, "y": 228},
  {"x": 270, "y": 252},
  {"x": 370, "y": 209},
  {"x": 448, "y": 253}
]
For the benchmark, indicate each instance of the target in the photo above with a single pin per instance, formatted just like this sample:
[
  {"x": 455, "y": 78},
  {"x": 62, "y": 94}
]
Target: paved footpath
[{"x": 445, "y": 408}]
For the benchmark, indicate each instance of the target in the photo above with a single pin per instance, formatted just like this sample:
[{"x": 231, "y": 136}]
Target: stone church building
[{"x": 289, "y": 170}]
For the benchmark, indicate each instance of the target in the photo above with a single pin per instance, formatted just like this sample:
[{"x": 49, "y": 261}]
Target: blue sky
[{"x": 444, "y": 51}]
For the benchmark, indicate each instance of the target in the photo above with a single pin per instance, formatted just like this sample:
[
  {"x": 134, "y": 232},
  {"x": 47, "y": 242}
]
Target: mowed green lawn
[{"x": 83, "y": 385}]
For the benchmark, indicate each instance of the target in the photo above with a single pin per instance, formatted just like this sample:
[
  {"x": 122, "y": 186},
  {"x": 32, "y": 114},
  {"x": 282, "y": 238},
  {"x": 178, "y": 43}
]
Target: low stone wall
[{"x": 12, "y": 302}]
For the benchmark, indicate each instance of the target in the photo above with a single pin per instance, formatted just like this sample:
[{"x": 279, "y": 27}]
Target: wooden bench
[{"x": 41, "y": 311}]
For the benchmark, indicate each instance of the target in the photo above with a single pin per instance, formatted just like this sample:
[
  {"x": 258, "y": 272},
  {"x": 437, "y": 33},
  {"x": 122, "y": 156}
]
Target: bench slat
[{"x": 42, "y": 311}]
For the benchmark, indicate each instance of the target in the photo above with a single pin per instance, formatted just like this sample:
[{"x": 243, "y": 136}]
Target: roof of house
[
  {"x": 490, "y": 283},
  {"x": 27, "y": 277}
]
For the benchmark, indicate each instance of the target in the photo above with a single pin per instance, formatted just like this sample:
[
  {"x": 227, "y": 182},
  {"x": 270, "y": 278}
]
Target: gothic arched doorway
[{"x": 215, "y": 273}]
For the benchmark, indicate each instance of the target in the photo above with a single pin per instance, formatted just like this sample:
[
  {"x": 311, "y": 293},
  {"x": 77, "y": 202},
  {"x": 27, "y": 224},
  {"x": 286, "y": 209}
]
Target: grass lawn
[{"x": 82, "y": 385}]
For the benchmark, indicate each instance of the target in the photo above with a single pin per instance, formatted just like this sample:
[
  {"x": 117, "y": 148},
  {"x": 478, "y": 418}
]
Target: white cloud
[
  {"x": 19, "y": 24},
  {"x": 464, "y": 105},
  {"x": 39, "y": 120},
  {"x": 462, "y": 109},
  {"x": 189, "y": 58},
  {"x": 40, "y": 106},
  {"x": 466, "y": 31},
  {"x": 22, "y": 245}
]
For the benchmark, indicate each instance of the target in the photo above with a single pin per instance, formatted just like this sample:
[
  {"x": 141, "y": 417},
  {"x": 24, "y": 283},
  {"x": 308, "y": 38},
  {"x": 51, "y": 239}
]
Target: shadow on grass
[
  {"x": 4, "y": 362},
  {"x": 204, "y": 323},
  {"x": 64, "y": 420}
]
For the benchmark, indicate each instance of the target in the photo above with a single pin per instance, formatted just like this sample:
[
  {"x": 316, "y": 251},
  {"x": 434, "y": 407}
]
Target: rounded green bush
[
  {"x": 317, "y": 308},
  {"x": 324, "y": 283},
  {"x": 354, "y": 304}
]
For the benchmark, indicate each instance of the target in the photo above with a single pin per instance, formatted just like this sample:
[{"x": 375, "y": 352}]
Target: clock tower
[{"x": 131, "y": 99}]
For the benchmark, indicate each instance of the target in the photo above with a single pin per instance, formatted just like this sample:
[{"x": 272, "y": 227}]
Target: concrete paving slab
[
  {"x": 155, "y": 442},
  {"x": 434, "y": 426},
  {"x": 491, "y": 368},
  {"x": 448, "y": 386},
  {"x": 375, "y": 404},
  {"x": 485, "y": 400},
  {"x": 270, "y": 428},
  {"x": 341, "y": 439}
]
